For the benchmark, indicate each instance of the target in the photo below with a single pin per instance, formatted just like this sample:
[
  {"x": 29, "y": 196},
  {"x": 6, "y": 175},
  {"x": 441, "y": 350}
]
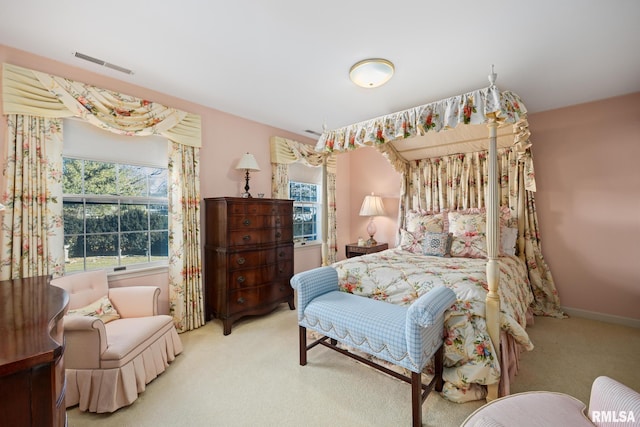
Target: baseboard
[{"x": 602, "y": 317}]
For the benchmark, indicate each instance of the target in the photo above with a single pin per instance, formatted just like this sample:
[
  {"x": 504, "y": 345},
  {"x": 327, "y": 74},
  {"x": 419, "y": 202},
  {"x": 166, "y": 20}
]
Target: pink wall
[{"x": 586, "y": 159}]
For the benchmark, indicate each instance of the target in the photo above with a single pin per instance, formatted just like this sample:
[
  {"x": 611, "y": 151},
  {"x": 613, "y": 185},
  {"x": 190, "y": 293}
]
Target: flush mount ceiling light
[{"x": 371, "y": 73}]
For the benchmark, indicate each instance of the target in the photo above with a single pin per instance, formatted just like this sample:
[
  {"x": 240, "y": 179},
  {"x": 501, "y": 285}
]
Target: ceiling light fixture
[{"x": 371, "y": 73}]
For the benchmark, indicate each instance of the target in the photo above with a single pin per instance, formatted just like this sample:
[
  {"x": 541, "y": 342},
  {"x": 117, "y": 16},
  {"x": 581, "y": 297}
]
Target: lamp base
[
  {"x": 371, "y": 241},
  {"x": 246, "y": 195}
]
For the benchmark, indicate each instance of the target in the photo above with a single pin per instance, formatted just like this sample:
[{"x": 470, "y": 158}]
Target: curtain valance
[
  {"x": 287, "y": 151},
  {"x": 39, "y": 94},
  {"x": 474, "y": 108}
]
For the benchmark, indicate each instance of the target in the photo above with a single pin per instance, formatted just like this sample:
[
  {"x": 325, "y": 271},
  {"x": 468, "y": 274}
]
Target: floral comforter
[{"x": 400, "y": 277}]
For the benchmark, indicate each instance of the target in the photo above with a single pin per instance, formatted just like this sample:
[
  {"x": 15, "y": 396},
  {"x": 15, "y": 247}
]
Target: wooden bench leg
[
  {"x": 439, "y": 368},
  {"x": 303, "y": 345},
  {"x": 416, "y": 399}
]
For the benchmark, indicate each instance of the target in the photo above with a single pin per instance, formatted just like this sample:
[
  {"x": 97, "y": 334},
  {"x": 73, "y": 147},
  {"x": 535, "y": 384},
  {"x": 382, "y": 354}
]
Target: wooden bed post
[{"x": 493, "y": 236}]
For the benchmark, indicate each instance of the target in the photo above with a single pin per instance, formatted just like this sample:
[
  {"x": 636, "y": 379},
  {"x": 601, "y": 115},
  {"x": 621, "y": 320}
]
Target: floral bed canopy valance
[
  {"x": 35, "y": 93},
  {"x": 449, "y": 126}
]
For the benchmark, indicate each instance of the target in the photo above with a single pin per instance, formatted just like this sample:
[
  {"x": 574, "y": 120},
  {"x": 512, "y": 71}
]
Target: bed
[{"x": 465, "y": 156}]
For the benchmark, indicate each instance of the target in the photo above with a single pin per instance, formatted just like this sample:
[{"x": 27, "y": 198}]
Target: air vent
[
  {"x": 313, "y": 132},
  {"x": 103, "y": 63}
]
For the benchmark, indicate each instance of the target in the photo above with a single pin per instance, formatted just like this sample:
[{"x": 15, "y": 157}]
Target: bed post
[
  {"x": 325, "y": 206},
  {"x": 493, "y": 234}
]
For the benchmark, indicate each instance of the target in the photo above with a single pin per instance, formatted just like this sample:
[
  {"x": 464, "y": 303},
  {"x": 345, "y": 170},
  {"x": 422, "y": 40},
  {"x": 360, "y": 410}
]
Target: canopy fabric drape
[
  {"x": 39, "y": 94},
  {"x": 459, "y": 182},
  {"x": 32, "y": 234},
  {"x": 286, "y": 151}
]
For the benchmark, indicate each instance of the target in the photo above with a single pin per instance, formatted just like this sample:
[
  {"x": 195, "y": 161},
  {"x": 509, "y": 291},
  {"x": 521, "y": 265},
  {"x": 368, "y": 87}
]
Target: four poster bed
[{"x": 467, "y": 221}]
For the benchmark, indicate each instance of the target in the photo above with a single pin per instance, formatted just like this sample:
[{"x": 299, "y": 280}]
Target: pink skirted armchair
[{"x": 116, "y": 342}]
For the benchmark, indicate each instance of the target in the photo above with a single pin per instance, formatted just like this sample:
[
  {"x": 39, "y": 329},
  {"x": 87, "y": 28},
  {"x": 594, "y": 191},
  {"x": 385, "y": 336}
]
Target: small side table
[{"x": 352, "y": 249}]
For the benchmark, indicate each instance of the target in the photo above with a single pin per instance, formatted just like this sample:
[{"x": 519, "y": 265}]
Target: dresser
[
  {"x": 248, "y": 257},
  {"x": 32, "y": 380}
]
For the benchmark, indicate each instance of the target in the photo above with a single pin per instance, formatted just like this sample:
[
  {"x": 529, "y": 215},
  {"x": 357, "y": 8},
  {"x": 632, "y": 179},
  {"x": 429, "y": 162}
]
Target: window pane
[
  {"x": 72, "y": 176},
  {"x": 132, "y": 181},
  {"x": 101, "y": 217},
  {"x": 100, "y": 178},
  {"x": 133, "y": 218},
  {"x": 135, "y": 244},
  {"x": 158, "y": 182},
  {"x": 73, "y": 253},
  {"x": 159, "y": 245},
  {"x": 101, "y": 247},
  {"x": 159, "y": 217},
  {"x": 73, "y": 214}
]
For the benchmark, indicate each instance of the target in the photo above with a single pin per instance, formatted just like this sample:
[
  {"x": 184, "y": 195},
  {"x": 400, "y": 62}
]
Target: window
[
  {"x": 114, "y": 215},
  {"x": 115, "y": 208},
  {"x": 306, "y": 191},
  {"x": 306, "y": 211}
]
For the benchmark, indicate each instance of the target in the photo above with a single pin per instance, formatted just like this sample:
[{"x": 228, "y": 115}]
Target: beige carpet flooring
[{"x": 252, "y": 378}]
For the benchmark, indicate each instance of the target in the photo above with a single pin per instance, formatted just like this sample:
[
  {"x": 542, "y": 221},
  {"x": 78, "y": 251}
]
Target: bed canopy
[{"x": 481, "y": 121}]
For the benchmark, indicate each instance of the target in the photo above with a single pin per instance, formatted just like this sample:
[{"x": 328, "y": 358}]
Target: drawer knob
[
  {"x": 282, "y": 288},
  {"x": 278, "y": 234},
  {"x": 241, "y": 300},
  {"x": 241, "y": 260},
  {"x": 241, "y": 279},
  {"x": 281, "y": 269},
  {"x": 246, "y": 238},
  {"x": 246, "y": 222},
  {"x": 281, "y": 253},
  {"x": 278, "y": 221}
]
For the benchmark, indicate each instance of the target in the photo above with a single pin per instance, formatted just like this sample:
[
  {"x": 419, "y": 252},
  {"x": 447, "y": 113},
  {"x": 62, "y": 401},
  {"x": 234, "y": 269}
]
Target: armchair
[{"x": 116, "y": 342}]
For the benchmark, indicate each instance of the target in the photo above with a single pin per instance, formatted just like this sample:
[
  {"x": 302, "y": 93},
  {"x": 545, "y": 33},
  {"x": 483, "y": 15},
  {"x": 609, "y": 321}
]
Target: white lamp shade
[
  {"x": 371, "y": 73},
  {"x": 372, "y": 206},
  {"x": 248, "y": 162}
]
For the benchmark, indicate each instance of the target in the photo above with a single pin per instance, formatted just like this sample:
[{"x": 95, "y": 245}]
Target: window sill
[
  {"x": 138, "y": 272},
  {"x": 302, "y": 245}
]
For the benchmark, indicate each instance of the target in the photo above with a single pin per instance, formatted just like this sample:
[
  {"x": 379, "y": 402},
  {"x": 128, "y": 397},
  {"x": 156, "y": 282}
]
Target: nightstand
[{"x": 352, "y": 249}]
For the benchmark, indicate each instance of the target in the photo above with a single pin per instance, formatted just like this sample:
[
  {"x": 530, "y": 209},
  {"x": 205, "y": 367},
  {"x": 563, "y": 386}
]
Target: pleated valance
[
  {"x": 287, "y": 151},
  {"x": 39, "y": 94}
]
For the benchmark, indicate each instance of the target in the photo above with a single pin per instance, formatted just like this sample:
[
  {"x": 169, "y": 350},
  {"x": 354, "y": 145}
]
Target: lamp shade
[
  {"x": 371, "y": 73},
  {"x": 372, "y": 206},
  {"x": 248, "y": 162}
]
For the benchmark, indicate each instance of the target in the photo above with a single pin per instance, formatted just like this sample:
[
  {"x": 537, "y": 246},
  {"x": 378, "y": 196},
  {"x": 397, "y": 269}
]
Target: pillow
[
  {"x": 469, "y": 245},
  {"x": 462, "y": 223},
  {"x": 508, "y": 238},
  {"x": 436, "y": 244},
  {"x": 423, "y": 222},
  {"x": 102, "y": 309},
  {"x": 411, "y": 242}
]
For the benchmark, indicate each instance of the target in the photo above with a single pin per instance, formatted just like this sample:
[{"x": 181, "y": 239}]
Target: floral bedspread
[{"x": 400, "y": 277}]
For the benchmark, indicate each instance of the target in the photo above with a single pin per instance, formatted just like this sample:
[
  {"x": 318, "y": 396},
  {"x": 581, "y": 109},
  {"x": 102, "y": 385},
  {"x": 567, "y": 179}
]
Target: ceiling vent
[{"x": 103, "y": 63}]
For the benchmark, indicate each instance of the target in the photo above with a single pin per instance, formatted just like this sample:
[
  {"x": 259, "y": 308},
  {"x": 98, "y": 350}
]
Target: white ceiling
[{"x": 285, "y": 63}]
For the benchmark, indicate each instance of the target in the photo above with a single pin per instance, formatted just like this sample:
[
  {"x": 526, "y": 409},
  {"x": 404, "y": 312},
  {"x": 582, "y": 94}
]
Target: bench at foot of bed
[{"x": 407, "y": 336}]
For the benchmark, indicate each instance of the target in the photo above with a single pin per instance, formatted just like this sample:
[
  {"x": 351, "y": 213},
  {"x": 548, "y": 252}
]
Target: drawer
[
  {"x": 248, "y": 278},
  {"x": 248, "y": 222},
  {"x": 277, "y": 290},
  {"x": 250, "y": 237},
  {"x": 249, "y": 259}
]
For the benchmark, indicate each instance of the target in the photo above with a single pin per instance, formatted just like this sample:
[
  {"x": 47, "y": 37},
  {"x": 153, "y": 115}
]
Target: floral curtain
[
  {"x": 283, "y": 153},
  {"x": 460, "y": 182},
  {"x": 185, "y": 273},
  {"x": 42, "y": 95},
  {"x": 32, "y": 233}
]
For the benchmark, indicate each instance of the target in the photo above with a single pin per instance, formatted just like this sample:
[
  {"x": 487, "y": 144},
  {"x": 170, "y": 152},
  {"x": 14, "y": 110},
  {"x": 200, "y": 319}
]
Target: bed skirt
[
  {"x": 106, "y": 390},
  {"x": 510, "y": 358}
]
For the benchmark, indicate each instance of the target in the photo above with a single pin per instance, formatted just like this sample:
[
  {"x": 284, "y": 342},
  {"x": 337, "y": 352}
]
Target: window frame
[
  {"x": 317, "y": 204},
  {"x": 119, "y": 201}
]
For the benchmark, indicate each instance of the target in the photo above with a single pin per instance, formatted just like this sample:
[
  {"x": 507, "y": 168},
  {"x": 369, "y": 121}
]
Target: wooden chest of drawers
[{"x": 248, "y": 257}]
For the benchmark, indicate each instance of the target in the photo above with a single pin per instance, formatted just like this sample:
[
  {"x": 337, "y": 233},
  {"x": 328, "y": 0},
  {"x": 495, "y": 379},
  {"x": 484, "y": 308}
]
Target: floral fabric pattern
[
  {"x": 186, "y": 302},
  {"x": 32, "y": 230},
  {"x": 400, "y": 277}
]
